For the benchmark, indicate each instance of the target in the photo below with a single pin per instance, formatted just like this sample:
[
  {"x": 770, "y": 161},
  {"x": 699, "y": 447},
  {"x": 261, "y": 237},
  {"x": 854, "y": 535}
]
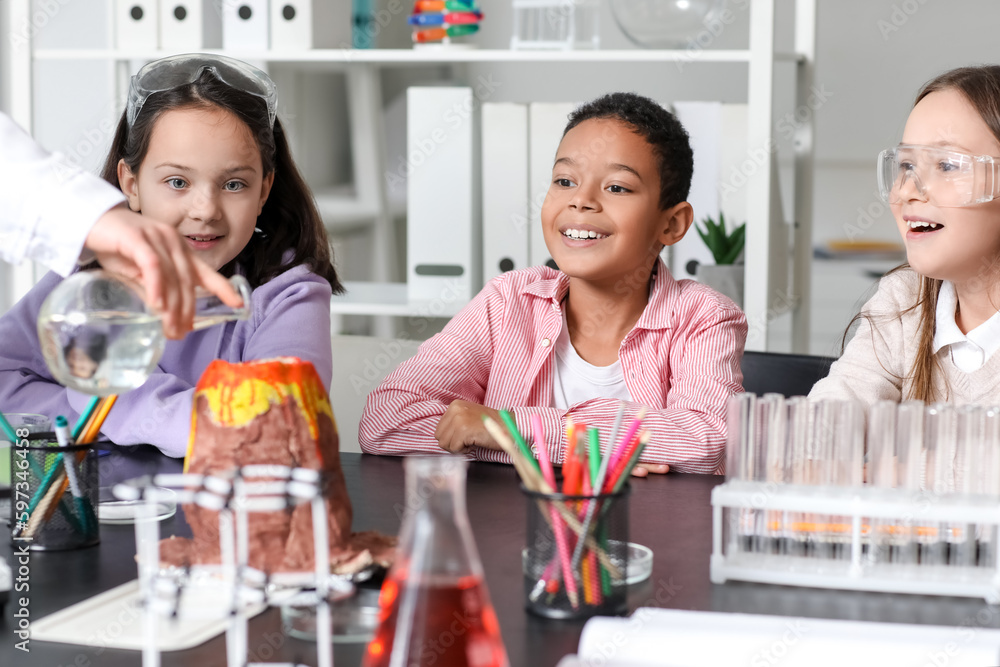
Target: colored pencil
[
  {"x": 84, "y": 417},
  {"x": 625, "y": 464},
  {"x": 534, "y": 481},
  {"x": 629, "y": 434},
  {"x": 558, "y": 527},
  {"x": 69, "y": 462},
  {"x": 508, "y": 420},
  {"x": 94, "y": 427},
  {"x": 54, "y": 487},
  {"x": 599, "y": 484}
]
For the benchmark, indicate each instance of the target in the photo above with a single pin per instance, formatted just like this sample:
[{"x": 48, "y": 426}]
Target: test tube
[
  {"x": 741, "y": 422},
  {"x": 940, "y": 435},
  {"x": 990, "y": 466},
  {"x": 968, "y": 448},
  {"x": 770, "y": 468},
  {"x": 739, "y": 440},
  {"x": 882, "y": 445},
  {"x": 881, "y": 474},
  {"x": 821, "y": 471},
  {"x": 909, "y": 473},
  {"x": 796, "y": 444},
  {"x": 847, "y": 460},
  {"x": 849, "y": 443}
]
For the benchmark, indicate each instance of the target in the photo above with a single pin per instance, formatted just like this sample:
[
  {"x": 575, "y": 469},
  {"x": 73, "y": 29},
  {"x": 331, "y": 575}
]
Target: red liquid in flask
[{"x": 452, "y": 624}]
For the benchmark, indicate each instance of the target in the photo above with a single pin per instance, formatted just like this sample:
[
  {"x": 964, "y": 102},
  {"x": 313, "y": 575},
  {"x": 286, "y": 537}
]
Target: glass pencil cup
[
  {"x": 564, "y": 579},
  {"x": 54, "y": 493}
]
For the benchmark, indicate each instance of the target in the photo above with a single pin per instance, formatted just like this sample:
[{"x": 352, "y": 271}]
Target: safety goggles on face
[
  {"x": 174, "y": 71},
  {"x": 944, "y": 178}
]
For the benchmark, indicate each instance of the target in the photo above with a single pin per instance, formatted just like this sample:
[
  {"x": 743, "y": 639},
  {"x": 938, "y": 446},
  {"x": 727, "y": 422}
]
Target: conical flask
[
  {"x": 434, "y": 606},
  {"x": 99, "y": 337}
]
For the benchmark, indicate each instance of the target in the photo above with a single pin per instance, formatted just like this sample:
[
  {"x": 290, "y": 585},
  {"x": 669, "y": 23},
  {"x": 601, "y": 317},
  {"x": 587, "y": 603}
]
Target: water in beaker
[{"x": 99, "y": 337}]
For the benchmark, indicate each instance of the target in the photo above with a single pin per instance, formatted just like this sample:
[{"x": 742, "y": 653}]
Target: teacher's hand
[{"x": 157, "y": 257}]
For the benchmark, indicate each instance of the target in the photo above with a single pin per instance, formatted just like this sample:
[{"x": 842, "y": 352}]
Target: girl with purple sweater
[{"x": 199, "y": 146}]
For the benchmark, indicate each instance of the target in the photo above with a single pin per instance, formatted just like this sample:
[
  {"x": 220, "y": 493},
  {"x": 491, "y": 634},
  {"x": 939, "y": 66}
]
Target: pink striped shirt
[{"x": 682, "y": 360}]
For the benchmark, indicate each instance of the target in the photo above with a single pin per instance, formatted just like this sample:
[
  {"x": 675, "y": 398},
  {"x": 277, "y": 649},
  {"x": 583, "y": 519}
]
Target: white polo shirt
[{"x": 968, "y": 351}]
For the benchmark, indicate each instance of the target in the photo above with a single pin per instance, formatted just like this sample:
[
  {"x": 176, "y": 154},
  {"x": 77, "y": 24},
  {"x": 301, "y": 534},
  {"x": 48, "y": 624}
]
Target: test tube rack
[
  {"x": 903, "y": 498},
  {"x": 234, "y": 494},
  {"x": 757, "y": 535}
]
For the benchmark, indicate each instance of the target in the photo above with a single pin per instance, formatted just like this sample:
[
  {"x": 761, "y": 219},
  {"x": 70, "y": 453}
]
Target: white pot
[{"x": 727, "y": 279}]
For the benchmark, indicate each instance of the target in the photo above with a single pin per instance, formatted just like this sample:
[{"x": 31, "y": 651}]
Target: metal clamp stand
[{"x": 256, "y": 488}]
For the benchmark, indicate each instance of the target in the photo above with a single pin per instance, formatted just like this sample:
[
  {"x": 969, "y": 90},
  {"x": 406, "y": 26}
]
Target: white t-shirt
[
  {"x": 968, "y": 351},
  {"x": 574, "y": 380}
]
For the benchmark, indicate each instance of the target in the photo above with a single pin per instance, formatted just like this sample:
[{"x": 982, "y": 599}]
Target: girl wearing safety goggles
[
  {"x": 199, "y": 146},
  {"x": 932, "y": 331}
]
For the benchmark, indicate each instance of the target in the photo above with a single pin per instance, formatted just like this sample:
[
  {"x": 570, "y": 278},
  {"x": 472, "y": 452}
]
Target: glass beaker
[
  {"x": 99, "y": 337},
  {"x": 434, "y": 606}
]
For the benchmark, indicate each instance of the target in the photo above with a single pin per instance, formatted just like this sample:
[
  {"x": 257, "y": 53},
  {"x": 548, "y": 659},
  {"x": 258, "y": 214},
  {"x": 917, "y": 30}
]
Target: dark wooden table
[{"x": 670, "y": 514}]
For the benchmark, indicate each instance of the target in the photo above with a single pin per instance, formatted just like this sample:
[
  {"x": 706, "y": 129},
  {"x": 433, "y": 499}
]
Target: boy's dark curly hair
[{"x": 656, "y": 125}]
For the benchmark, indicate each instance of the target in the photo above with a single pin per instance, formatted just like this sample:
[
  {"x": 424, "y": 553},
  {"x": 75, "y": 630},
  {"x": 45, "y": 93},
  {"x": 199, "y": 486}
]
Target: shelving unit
[{"x": 765, "y": 260}]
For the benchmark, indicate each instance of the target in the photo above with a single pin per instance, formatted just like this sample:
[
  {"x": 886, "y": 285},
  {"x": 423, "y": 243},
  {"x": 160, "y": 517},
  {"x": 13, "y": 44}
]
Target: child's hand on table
[
  {"x": 643, "y": 469},
  {"x": 461, "y": 427}
]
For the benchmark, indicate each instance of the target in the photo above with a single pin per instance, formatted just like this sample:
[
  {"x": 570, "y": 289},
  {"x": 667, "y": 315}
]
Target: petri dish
[
  {"x": 640, "y": 562},
  {"x": 354, "y": 619},
  {"x": 113, "y": 511}
]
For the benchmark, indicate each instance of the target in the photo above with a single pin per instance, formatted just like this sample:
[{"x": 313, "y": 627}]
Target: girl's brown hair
[
  {"x": 289, "y": 221},
  {"x": 981, "y": 87}
]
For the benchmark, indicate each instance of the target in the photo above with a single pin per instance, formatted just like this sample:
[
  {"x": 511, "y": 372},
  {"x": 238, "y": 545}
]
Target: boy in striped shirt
[{"x": 610, "y": 325}]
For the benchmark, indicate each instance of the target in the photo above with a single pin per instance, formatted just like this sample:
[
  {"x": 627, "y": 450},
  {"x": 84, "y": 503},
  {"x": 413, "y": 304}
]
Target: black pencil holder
[
  {"x": 599, "y": 572},
  {"x": 54, "y": 494}
]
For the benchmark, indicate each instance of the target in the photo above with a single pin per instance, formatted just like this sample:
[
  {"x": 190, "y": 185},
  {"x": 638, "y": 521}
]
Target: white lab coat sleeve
[{"x": 47, "y": 204}]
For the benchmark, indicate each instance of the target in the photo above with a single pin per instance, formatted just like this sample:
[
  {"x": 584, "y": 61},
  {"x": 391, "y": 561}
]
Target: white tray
[{"x": 115, "y": 619}]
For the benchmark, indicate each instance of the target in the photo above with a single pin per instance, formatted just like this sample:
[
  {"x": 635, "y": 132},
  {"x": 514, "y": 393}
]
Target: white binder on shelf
[
  {"x": 245, "y": 25},
  {"x": 443, "y": 235},
  {"x": 309, "y": 24},
  {"x": 506, "y": 220},
  {"x": 136, "y": 24},
  {"x": 546, "y": 123},
  {"x": 703, "y": 122},
  {"x": 190, "y": 25},
  {"x": 291, "y": 25}
]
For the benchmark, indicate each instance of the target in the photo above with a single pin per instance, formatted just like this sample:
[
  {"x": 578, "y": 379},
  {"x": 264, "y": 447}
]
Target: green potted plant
[{"x": 725, "y": 276}]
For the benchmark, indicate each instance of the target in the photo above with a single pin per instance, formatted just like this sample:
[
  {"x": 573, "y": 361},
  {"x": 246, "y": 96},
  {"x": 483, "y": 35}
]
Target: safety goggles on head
[
  {"x": 174, "y": 71},
  {"x": 944, "y": 178}
]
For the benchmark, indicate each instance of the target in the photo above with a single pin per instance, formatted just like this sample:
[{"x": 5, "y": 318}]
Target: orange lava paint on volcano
[{"x": 237, "y": 394}]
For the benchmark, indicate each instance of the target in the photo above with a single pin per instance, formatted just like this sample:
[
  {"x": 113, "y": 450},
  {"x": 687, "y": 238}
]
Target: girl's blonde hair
[{"x": 981, "y": 87}]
